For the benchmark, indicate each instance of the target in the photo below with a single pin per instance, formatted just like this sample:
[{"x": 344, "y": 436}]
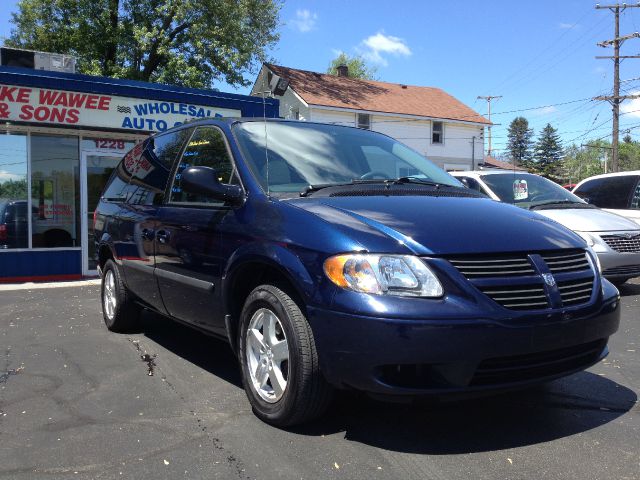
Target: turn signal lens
[{"x": 401, "y": 275}]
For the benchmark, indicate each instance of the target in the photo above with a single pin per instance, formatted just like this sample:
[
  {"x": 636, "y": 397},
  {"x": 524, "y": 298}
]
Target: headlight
[
  {"x": 402, "y": 275},
  {"x": 587, "y": 237}
]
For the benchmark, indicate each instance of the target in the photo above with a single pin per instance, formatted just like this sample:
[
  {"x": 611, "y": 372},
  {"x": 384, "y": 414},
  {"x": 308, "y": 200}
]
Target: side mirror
[{"x": 204, "y": 181}]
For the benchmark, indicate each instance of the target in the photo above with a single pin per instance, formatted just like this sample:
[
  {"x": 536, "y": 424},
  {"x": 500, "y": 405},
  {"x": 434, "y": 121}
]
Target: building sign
[{"x": 60, "y": 107}]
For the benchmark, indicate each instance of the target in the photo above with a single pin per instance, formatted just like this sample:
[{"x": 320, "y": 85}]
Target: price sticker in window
[{"x": 520, "y": 190}]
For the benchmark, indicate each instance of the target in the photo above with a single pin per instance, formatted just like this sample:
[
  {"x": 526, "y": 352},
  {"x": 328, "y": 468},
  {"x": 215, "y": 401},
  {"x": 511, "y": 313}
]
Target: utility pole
[
  {"x": 488, "y": 98},
  {"x": 616, "y": 99}
]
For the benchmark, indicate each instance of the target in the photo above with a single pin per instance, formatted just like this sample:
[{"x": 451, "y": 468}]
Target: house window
[
  {"x": 364, "y": 121},
  {"x": 437, "y": 132},
  {"x": 295, "y": 114}
]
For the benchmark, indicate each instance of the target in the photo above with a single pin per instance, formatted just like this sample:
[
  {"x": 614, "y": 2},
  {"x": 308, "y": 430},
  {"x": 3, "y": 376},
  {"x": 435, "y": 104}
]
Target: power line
[
  {"x": 554, "y": 43},
  {"x": 489, "y": 98},
  {"x": 615, "y": 99}
]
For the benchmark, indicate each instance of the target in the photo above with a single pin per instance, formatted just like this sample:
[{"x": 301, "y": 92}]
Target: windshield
[
  {"x": 302, "y": 154},
  {"x": 527, "y": 190}
]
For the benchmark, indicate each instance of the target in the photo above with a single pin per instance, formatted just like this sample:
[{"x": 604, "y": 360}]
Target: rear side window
[
  {"x": 635, "y": 199},
  {"x": 473, "y": 184},
  {"x": 608, "y": 192},
  {"x": 151, "y": 172},
  {"x": 118, "y": 188},
  {"x": 207, "y": 147}
]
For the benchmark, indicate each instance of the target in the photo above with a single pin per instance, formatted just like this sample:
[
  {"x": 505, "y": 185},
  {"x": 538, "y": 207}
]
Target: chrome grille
[
  {"x": 570, "y": 261},
  {"x": 622, "y": 244},
  {"x": 483, "y": 267},
  {"x": 520, "y": 297},
  {"x": 513, "y": 280},
  {"x": 575, "y": 292}
]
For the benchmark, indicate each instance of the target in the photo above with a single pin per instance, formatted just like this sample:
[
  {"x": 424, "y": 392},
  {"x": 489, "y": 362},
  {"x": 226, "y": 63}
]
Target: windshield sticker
[{"x": 520, "y": 190}]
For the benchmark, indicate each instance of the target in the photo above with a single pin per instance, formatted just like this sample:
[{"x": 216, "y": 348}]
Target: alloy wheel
[
  {"x": 109, "y": 294},
  {"x": 267, "y": 353}
]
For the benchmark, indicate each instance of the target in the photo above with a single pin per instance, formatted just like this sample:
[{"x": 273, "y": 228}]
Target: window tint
[
  {"x": 635, "y": 200},
  {"x": 206, "y": 148},
  {"x": 150, "y": 173},
  {"x": 473, "y": 184},
  {"x": 608, "y": 192},
  {"x": 118, "y": 188},
  {"x": 164, "y": 149}
]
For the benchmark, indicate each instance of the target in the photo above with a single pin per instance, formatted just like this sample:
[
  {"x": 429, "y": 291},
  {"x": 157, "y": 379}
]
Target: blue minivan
[{"x": 333, "y": 257}]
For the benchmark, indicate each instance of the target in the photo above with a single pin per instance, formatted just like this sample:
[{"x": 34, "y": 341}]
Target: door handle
[
  {"x": 162, "y": 236},
  {"x": 147, "y": 234}
]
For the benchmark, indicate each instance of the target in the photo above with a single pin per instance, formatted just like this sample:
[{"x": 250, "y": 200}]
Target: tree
[
  {"x": 585, "y": 161},
  {"x": 629, "y": 155},
  {"x": 13, "y": 189},
  {"x": 186, "y": 42},
  {"x": 358, "y": 68},
  {"x": 520, "y": 144},
  {"x": 548, "y": 151}
]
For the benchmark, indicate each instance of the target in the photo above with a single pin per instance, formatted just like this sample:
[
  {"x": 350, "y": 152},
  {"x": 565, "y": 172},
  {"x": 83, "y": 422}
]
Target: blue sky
[{"x": 534, "y": 54}]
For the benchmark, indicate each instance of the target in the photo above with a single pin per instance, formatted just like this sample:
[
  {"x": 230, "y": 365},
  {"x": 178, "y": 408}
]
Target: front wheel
[{"x": 280, "y": 370}]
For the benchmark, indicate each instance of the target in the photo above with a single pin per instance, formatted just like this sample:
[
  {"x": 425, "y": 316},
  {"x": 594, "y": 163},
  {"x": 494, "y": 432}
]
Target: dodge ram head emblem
[{"x": 548, "y": 279}]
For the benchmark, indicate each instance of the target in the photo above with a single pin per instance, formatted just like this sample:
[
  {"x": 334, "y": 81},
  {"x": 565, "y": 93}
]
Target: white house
[{"x": 425, "y": 118}]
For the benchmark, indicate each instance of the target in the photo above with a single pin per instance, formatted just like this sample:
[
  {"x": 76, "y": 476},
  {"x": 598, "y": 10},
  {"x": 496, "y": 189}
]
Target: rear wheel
[
  {"x": 280, "y": 370},
  {"x": 119, "y": 310}
]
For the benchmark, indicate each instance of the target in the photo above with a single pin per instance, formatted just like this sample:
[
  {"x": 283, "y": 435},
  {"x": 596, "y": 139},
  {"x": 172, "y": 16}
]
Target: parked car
[
  {"x": 615, "y": 192},
  {"x": 13, "y": 224},
  {"x": 615, "y": 239},
  {"x": 301, "y": 245}
]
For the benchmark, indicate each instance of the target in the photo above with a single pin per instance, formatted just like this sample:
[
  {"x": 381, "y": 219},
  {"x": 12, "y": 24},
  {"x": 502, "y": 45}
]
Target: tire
[
  {"x": 119, "y": 310},
  {"x": 288, "y": 389}
]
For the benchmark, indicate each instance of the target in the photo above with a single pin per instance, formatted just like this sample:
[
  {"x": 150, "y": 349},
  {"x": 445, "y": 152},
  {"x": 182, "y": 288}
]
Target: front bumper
[
  {"x": 435, "y": 357},
  {"x": 619, "y": 266}
]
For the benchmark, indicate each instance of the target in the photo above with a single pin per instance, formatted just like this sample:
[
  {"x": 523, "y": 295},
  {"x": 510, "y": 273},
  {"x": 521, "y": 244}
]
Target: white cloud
[
  {"x": 545, "y": 110},
  {"x": 372, "y": 48},
  {"x": 567, "y": 26},
  {"x": 6, "y": 176},
  {"x": 305, "y": 20},
  {"x": 631, "y": 108}
]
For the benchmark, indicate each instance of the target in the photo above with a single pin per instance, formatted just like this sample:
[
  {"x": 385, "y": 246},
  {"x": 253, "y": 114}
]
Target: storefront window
[
  {"x": 14, "y": 220},
  {"x": 55, "y": 191}
]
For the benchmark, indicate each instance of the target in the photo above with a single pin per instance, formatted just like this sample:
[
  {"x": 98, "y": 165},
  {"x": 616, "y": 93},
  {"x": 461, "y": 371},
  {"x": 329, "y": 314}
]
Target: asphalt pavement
[{"x": 79, "y": 402}]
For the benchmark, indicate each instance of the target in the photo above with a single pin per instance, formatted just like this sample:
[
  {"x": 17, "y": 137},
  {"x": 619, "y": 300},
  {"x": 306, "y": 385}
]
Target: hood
[
  {"x": 439, "y": 225},
  {"x": 589, "y": 220}
]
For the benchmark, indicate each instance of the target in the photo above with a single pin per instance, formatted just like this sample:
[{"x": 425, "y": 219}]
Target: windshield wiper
[
  {"x": 385, "y": 181},
  {"x": 356, "y": 181},
  {"x": 416, "y": 180},
  {"x": 553, "y": 202}
]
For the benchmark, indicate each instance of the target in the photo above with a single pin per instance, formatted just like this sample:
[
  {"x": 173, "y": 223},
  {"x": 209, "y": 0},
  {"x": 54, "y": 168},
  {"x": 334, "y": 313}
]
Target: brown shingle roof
[
  {"x": 343, "y": 92},
  {"x": 491, "y": 162}
]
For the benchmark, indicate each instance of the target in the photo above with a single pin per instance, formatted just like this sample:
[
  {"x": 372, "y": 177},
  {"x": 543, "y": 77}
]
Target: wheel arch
[{"x": 248, "y": 270}]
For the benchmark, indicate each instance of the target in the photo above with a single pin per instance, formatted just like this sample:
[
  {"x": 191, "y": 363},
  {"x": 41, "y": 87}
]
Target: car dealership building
[{"x": 61, "y": 134}]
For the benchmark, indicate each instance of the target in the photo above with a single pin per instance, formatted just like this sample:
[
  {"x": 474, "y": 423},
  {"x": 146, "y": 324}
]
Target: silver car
[{"x": 614, "y": 238}]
